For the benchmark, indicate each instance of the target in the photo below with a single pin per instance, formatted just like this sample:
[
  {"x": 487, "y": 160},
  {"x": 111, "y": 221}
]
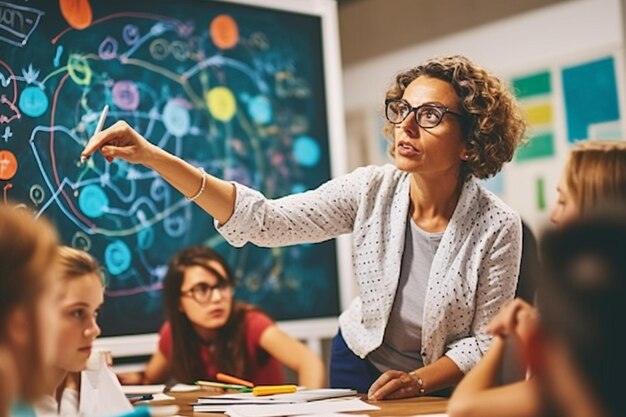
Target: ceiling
[{"x": 369, "y": 28}]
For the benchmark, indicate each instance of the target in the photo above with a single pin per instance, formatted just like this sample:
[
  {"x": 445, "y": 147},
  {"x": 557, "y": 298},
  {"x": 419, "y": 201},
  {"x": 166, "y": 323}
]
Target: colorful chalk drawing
[
  {"x": 236, "y": 90},
  {"x": 77, "y": 13},
  {"x": 17, "y": 23}
]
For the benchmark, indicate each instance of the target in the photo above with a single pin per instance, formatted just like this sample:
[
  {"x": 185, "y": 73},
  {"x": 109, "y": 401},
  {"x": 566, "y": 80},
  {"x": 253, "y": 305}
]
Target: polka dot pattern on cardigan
[{"x": 473, "y": 273}]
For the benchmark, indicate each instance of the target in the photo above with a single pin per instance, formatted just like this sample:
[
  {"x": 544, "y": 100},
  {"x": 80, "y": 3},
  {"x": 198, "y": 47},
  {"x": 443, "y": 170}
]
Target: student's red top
[{"x": 265, "y": 369}]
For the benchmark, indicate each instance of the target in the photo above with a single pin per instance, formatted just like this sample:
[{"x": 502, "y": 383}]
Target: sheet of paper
[
  {"x": 101, "y": 394},
  {"x": 333, "y": 415},
  {"x": 301, "y": 396},
  {"x": 184, "y": 388},
  {"x": 316, "y": 407},
  {"x": 163, "y": 410},
  {"x": 161, "y": 396},
  {"x": 143, "y": 389}
]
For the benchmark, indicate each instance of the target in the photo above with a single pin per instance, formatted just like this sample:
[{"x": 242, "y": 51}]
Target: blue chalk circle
[
  {"x": 117, "y": 257},
  {"x": 93, "y": 201},
  {"x": 33, "y": 101},
  {"x": 306, "y": 151},
  {"x": 176, "y": 118},
  {"x": 260, "y": 110}
]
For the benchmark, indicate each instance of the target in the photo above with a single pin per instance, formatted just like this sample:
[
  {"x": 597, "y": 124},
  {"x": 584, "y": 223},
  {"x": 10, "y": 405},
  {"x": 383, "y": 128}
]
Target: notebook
[
  {"x": 221, "y": 402},
  {"x": 319, "y": 407}
]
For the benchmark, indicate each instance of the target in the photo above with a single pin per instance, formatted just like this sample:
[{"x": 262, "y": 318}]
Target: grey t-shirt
[{"x": 402, "y": 343}]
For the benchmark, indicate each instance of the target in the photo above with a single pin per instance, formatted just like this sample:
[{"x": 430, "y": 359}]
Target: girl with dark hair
[{"x": 208, "y": 331}]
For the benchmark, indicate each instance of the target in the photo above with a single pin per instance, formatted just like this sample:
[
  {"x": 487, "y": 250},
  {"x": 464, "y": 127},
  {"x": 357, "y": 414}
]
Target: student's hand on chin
[{"x": 392, "y": 385}]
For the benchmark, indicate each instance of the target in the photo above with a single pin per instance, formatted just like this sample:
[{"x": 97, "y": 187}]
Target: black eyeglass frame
[
  {"x": 414, "y": 110},
  {"x": 221, "y": 286}
]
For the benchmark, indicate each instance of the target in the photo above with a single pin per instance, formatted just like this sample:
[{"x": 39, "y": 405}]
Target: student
[
  {"x": 435, "y": 254},
  {"x": 82, "y": 296},
  {"x": 28, "y": 296},
  {"x": 594, "y": 175},
  {"x": 580, "y": 353},
  {"x": 208, "y": 331}
]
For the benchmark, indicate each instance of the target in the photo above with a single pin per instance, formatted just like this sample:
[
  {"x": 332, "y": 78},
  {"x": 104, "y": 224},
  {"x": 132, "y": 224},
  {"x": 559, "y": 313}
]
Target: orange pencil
[{"x": 233, "y": 380}]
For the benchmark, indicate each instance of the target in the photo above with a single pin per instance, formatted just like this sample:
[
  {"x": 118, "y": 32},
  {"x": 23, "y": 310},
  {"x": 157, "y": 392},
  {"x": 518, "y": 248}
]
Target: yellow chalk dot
[{"x": 221, "y": 103}]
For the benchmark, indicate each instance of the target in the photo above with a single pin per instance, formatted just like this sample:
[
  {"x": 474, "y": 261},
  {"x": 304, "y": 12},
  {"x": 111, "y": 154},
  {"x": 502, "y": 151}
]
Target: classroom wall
[{"x": 560, "y": 43}]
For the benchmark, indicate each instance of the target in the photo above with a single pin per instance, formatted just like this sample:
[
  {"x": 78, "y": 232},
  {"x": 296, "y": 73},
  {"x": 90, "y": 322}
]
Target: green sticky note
[{"x": 540, "y": 146}]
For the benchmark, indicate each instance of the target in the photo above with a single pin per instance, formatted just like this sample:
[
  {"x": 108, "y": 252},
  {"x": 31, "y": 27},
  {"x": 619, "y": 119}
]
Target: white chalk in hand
[{"x": 99, "y": 127}]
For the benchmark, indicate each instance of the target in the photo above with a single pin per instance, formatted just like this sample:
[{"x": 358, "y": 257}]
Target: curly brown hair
[{"x": 493, "y": 125}]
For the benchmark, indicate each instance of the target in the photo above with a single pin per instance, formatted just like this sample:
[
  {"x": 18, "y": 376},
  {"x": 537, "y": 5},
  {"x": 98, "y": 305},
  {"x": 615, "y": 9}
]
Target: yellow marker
[{"x": 273, "y": 389}]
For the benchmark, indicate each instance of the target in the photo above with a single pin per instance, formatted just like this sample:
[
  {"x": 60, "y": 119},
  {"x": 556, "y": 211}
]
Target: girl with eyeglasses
[
  {"x": 434, "y": 253},
  {"x": 208, "y": 331}
]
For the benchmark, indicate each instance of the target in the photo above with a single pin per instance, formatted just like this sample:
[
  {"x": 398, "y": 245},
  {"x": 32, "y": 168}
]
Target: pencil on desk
[
  {"x": 221, "y": 385},
  {"x": 273, "y": 389},
  {"x": 233, "y": 380}
]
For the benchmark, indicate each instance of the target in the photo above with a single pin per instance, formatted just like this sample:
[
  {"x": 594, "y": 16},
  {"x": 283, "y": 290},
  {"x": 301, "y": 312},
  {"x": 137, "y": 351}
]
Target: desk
[{"x": 404, "y": 407}]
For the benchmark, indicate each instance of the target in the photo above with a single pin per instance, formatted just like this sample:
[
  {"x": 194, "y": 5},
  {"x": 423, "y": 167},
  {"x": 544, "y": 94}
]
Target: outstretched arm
[
  {"x": 122, "y": 141},
  {"x": 294, "y": 355},
  {"x": 158, "y": 369}
]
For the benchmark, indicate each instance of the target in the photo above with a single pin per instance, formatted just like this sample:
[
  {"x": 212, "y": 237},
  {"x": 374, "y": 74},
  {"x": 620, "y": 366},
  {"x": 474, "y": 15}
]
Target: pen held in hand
[{"x": 99, "y": 127}]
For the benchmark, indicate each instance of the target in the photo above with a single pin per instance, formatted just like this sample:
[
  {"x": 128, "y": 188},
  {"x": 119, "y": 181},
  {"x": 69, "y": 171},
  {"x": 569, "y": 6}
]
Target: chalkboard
[{"x": 236, "y": 89}]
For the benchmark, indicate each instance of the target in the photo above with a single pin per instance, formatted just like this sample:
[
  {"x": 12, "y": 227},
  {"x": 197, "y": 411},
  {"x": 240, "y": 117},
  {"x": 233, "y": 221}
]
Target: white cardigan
[{"x": 473, "y": 273}]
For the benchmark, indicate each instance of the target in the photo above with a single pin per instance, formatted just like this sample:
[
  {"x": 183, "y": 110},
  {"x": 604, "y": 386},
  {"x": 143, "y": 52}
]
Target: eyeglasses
[
  {"x": 203, "y": 292},
  {"x": 427, "y": 116}
]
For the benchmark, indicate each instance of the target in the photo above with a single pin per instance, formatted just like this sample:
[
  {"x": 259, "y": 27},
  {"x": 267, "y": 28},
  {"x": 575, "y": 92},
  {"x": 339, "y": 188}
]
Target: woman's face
[
  {"x": 206, "y": 299},
  {"x": 565, "y": 210},
  {"x": 434, "y": 151},
  {"x": 81, "y": 301}
]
